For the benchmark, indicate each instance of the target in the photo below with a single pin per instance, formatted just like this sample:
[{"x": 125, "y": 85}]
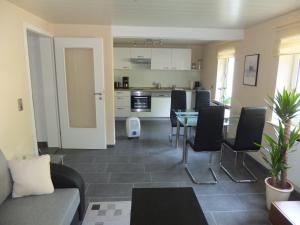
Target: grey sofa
[{"x": 63, "y": 207}]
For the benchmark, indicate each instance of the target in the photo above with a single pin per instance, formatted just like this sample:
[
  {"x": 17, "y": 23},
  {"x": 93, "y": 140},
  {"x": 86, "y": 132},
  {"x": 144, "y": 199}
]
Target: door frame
[{"x": 27, "y": 27}]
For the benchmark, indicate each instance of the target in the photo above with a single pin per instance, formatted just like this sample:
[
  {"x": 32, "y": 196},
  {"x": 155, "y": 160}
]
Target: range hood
[{"x": 141, "y": 60}]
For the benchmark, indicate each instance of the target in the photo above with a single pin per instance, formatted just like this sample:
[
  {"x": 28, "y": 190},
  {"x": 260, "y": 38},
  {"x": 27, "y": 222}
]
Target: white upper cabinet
[
  {"x": 161, "y": 59},
  {"x": 181, "y": 59},
  {"x": 141, "y": 53},
  {"x": 171, "y": 59},
  {"x": 122, "y": 58}
]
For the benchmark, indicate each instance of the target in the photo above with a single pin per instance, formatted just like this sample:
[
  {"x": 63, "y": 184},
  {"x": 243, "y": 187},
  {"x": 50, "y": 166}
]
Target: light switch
[{"x": 20, "y": 104}]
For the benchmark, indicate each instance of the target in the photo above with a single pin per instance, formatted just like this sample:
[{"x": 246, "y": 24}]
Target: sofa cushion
[
  {"x": 5, "y": 179},
  {"x": 57, "y": 208},
  {"x": 31, "y": 176}
]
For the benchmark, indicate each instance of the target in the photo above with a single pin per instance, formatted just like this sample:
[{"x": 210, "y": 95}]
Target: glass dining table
[{"x": 189, "y": 118}]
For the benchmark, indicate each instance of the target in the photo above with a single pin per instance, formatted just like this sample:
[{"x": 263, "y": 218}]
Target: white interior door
[{"x": 80, "y": 84}]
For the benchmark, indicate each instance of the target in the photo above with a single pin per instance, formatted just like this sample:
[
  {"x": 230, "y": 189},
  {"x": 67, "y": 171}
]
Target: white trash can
[{"x": 133, "y": 127}]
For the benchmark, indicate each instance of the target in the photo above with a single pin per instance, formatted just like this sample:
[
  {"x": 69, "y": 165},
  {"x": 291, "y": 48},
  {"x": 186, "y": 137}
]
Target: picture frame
[{"x": 251, "y": 69}]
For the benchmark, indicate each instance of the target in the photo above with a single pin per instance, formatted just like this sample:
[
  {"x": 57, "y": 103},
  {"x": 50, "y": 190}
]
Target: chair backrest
[
  {"x": 5, "y": 179},
  {"x": 250, "y": 128},
  {"x": 178, "y": 101},
  {"x": 202, "y": 98},
  {"x": 209, "y": 130}
]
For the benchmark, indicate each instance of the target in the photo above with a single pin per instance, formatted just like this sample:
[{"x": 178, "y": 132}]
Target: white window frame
[
  {"x": 222, "y": 78},
  {"x": 293, "y": 81}
]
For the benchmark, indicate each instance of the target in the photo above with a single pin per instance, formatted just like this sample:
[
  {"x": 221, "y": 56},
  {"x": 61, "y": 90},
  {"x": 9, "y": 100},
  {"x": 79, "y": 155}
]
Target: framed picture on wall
[{"x": 251, "y": 70}]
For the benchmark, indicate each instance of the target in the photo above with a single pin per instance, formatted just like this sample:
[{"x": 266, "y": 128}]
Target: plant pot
[{"x": 274, "y": 194}]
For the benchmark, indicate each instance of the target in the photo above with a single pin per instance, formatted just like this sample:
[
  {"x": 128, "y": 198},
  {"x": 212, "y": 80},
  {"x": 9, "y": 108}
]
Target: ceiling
[{"x": 174, "y": 13}]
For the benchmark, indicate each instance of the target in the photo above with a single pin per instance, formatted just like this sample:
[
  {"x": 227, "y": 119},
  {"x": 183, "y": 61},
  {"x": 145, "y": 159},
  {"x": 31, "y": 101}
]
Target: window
[
  {"x": 288, "y": 74},
  {"x": 225, "y": 77}
]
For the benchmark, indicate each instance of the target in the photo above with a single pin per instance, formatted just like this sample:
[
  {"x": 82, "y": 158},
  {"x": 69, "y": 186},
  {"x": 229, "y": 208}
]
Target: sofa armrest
[{"x": 65, "y": 177}]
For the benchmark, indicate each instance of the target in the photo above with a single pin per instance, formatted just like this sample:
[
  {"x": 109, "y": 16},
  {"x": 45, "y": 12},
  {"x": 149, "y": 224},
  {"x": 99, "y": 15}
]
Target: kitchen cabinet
[
  {"x": 141, "y": 53},
  {"x": 161, "y": 59},
  {"x": 171, "y": 59},
  {"x": 181, "y": 59},
  {"x": 122, "y": 58},
  {"x": 122, "y": 103}
]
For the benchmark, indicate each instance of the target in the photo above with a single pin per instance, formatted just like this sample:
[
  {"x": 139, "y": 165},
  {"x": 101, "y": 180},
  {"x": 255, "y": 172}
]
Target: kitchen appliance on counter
[
  {"x": 125, "y": 82},
  {"x": 140, "y": 101},
  {"x": 197, "y": 84},
  {"x": 117, "y": 84}
]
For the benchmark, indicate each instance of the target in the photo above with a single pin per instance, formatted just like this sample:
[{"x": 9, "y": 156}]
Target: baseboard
[{"x": 110, "y": 146}]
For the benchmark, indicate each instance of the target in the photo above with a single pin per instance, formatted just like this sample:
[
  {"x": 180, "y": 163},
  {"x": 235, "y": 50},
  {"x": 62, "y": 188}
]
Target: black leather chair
[
  {"x": 178, "y": 102},
  {"x": 248, "y": 135},
  {"x": 202, "y": 98},
  {"x": 208, "y": 137}
]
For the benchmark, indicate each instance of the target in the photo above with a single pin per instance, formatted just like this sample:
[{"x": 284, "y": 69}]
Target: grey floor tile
[
  {"x": 163, "y": 167},
  {"x": 96, "y": 177},
  {"x": 153, "y": 162},
  {"x": 205, "y": 189},
  {"x": 242, "y": 218},
  {"x": 220, "y": 202},
  {"x": 177, "y": 176},
  {"x": 210, "y": 219},
  {"x": 126, "y": 167},
  {"x": 112, "y": 159},
  {"x": 253, "y": 201},
  {"x": 156, "y": 185},
  {"x": 109, "y": 190},
  {"x": 129, "y": 177},
  {"x": 244, "y": 188},
  {"x": 78, "y": 158},
  {"x": 87, "y": 167}
]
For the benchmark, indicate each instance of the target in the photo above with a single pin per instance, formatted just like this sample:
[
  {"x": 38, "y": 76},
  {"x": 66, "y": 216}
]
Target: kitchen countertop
[{"x": 152, "y": 89}]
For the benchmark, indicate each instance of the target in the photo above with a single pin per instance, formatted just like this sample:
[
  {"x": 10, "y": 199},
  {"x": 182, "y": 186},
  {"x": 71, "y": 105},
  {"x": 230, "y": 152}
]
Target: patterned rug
[{"x": 108, "y": 213}]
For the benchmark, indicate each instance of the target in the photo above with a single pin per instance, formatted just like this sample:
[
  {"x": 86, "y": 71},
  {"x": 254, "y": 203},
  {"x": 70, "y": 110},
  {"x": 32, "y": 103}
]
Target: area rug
[{"x": 108, "y": 213}]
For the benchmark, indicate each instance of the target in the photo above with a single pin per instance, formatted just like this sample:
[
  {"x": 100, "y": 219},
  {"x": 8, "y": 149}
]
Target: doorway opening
[{"x": 44, "y": 91}]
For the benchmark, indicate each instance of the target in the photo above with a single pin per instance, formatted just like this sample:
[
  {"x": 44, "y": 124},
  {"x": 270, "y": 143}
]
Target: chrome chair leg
[
  {"x": 254, "y": 178},
  {"x": 195, "y": 180},
  {"x": 171, "y": 135}
]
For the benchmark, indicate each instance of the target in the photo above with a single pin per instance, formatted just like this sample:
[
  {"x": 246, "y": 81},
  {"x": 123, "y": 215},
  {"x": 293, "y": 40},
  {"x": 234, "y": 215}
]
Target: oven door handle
[{"x": 140, "y": 96}]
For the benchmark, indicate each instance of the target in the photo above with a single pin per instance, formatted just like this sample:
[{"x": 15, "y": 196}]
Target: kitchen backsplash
[{"x": 145, "y": 78}]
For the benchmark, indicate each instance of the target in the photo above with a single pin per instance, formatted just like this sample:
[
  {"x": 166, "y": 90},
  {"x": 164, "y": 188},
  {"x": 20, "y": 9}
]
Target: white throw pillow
[{"x": 31, "y": 176}]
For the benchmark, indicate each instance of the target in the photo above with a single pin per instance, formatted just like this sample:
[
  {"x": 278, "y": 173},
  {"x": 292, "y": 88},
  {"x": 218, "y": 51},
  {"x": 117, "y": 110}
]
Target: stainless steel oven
[{"x": 140, "y": 101}]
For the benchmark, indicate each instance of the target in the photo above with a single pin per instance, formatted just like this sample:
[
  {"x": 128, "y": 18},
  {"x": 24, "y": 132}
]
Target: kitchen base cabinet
[
  {"x": 160, "y": 105},
  {"x": 122, "y": 104}
]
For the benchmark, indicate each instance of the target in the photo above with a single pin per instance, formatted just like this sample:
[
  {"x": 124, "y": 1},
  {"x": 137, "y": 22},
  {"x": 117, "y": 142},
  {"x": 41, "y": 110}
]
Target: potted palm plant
[{"x": 286, "y": 105}]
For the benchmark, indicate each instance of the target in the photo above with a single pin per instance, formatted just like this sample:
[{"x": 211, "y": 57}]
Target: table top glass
[{"x": 190, "y": 118}]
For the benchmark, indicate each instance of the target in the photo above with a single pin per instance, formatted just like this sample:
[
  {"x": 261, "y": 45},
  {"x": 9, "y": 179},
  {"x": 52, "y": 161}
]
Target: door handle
[{"x": 98, "y": 93}]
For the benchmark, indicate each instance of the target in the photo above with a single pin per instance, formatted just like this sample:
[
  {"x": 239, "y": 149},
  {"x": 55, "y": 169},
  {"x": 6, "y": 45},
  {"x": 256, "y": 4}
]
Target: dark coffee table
[{"x": 166, "y": 206}]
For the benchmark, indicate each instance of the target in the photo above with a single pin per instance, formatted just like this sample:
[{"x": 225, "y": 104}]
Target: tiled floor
[{"x": 151, "y": 161}]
